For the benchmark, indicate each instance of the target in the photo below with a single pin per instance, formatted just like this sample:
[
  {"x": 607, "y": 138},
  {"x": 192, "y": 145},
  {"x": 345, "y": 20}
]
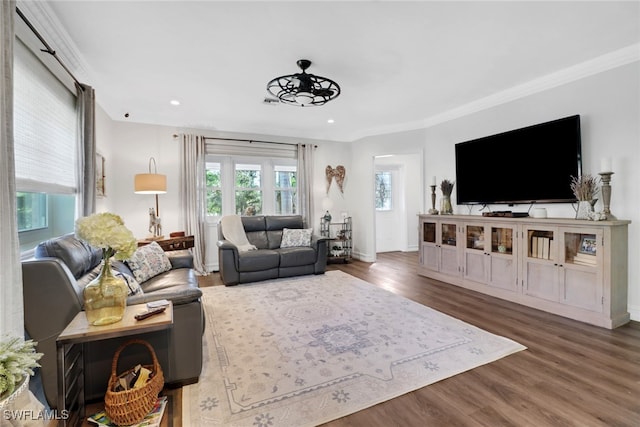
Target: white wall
[
  {"x": 127, "y": 148},
  {"x": 609, "y": 106}
]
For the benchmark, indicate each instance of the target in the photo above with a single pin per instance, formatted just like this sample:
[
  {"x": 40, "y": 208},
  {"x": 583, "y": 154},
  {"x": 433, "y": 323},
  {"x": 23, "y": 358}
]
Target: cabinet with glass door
[
  {"x": 581, "y": 276},
  {"x": 573, "y": 268},
  {"x": 490, "y": 255},
  {"x": 439, "y": 246}
]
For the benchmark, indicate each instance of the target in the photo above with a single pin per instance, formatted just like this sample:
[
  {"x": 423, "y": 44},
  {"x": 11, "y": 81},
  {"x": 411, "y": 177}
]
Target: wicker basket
[{"x": 131, "y": 406}]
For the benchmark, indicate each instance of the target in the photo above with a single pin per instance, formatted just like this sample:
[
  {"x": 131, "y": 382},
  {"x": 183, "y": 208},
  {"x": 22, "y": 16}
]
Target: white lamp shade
[
  {"x": 327, "y": 204},
  {"x": 150, "y": 183}
]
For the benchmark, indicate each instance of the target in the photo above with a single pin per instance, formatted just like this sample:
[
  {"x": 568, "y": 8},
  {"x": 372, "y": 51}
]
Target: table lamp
[{"x": 152, "y": 183}]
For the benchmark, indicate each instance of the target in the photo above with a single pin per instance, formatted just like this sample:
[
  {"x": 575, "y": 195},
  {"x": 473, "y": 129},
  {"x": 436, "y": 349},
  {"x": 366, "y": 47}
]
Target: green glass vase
[{"x": 105, "y": 297}]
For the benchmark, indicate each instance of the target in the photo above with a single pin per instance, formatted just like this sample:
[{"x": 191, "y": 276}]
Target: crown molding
[
  {"x": 42, "y": 17},
  {"x": 600, "y": 64}
]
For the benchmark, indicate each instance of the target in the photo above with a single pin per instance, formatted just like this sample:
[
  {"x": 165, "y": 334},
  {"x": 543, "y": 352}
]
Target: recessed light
[
  {"x": 330, "y": 121},
  {"x": 174, "y": 102}
]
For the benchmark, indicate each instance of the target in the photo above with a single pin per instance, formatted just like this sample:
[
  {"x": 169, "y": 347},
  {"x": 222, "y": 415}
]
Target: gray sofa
[
  {"x": 269, "y": 261},
  {"x": 53, "y": 281}
]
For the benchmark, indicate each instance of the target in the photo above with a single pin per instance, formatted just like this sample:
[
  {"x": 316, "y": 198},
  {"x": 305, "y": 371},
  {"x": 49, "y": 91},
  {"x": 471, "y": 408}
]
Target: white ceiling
[{"x": 400, "y": 65}]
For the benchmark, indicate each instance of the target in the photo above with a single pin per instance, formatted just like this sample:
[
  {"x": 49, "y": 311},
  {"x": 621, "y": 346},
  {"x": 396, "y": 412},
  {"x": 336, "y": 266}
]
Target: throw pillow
[
  {"x": 148, "y": 261},
  {"x": 132, "y": 284},
  {"x": 292, "y": 237}
]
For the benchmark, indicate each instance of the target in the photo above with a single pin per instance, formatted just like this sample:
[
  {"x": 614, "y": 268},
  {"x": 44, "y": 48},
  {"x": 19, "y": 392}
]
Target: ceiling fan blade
[{"x": 323, "y": 92}]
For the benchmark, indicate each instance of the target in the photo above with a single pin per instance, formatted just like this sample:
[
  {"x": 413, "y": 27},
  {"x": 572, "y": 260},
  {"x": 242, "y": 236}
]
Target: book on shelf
[
  {"x": 546, "y": 247},
  {"x": 541, "y": 247},
  {"x": 584, "y": 259},
  {"x": 153, "y": 419}
]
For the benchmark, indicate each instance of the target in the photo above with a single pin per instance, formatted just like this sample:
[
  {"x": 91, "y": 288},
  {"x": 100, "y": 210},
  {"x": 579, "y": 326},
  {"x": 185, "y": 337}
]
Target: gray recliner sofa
[
  {"x": 269, "y": 261},
  {"x": 53, "y": 282}
]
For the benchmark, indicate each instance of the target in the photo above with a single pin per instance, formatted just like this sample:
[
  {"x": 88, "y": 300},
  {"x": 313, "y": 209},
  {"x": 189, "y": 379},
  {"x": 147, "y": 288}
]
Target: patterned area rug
[{"x": 307, "y": 350}]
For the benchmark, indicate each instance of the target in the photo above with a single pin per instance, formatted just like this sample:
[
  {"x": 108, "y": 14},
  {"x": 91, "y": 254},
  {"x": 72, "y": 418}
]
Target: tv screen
[{"x": 528, "y": 165}]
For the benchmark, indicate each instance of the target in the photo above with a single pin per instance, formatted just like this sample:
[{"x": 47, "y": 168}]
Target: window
[
  {"x": 214, "y": 189},
  {"x": 251, "y": 186},
  {"x": 383, "y": 191},
  {"x": 32, "y": 211},
  {"x": 248, "y": 189},
  {"x": 45, "y": 133},
  {"x": 285, "y": 190}
]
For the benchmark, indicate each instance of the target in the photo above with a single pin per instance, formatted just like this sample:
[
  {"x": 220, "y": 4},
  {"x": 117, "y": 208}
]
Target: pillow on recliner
[
  {"x": 293, "y": 237},
  {"x": 148, "y": 261}
]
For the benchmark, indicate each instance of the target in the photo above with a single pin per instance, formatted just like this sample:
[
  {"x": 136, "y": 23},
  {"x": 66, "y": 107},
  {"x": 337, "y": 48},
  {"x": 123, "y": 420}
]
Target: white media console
[{"x": 572, "y": 268}]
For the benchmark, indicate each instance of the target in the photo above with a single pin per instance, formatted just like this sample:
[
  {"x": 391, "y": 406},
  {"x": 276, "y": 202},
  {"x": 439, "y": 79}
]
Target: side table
[
  {"x": 70, "y": 355},
  {"x": 172, "y": 244}
]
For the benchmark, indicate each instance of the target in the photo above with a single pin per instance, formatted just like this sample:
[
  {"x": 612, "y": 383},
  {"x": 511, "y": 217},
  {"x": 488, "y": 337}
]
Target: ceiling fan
[{"x": 302, "y": 89}]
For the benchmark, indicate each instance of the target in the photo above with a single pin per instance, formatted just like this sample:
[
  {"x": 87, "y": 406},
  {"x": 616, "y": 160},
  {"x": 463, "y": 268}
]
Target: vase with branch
[
  {"x": 585, "y": 188},
  {"x": 446, "y": 187}
]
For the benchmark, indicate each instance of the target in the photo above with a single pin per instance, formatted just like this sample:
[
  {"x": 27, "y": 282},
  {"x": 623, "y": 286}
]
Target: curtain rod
[
  {"x": 248, "y": 140},
  {"x": 48, "y": 48}
]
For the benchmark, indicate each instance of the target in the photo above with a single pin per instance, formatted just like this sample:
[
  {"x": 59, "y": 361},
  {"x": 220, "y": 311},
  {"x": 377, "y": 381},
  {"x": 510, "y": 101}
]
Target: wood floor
[{"x": 572, "y": 374}]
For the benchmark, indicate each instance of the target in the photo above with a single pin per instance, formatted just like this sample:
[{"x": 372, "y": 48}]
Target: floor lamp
[{"x": 152, "y": 183}]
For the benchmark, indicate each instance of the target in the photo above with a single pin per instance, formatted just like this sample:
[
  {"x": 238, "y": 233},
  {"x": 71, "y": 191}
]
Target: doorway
[{"x": 398, "y": 199}]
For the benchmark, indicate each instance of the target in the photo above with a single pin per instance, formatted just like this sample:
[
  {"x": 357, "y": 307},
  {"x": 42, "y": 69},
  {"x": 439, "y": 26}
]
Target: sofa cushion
[
  {"x": 293, "y": 257},
  {"x": 275, "y": 224},
  {"x": 77, "y": 255},
  {"x": 148, "y": 261},
  {"x": 179, "y": 286},
  {"x": 292, "y": 237},
  {"x": 278, "y": 222},
  {"x": 263, "y": 259}
]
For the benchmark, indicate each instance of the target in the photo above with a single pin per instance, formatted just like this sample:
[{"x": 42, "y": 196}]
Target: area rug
[{"x": 310, "y": 349}]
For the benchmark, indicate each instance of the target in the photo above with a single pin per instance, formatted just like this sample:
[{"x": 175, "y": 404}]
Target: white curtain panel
[
  {"x": 193, "y": 194},
  {"x": 11, "y": 308},
  {"x": 305, "y": 182}
]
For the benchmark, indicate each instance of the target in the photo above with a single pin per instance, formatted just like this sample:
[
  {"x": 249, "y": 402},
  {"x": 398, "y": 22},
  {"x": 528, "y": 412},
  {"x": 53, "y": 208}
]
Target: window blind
[
  {"x": 45, "y": 127},
  {"x": 221, "y": 147}
]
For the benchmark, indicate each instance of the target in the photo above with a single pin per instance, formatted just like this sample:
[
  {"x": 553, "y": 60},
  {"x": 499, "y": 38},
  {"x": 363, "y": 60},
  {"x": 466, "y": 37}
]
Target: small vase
[
  {"x": 105, "y": 297},
  {"x": 585, "y": 209},
  {"x": 445, "y": 205}
]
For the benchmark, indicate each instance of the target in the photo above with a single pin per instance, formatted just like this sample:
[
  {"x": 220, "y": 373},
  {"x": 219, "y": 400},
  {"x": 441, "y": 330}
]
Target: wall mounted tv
[{"x": 528, "y": 165}]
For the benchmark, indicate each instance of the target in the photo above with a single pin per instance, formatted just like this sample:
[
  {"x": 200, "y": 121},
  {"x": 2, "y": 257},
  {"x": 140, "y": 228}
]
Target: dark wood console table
[{"x": 171, "y": 244}]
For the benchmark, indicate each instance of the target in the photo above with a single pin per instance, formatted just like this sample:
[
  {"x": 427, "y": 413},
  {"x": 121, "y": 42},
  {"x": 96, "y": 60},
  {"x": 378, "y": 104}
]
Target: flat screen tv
[{"x": 528, "y": 165}]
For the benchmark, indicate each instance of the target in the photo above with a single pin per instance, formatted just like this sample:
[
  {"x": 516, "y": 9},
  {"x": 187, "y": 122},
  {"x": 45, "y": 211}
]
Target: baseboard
[{"x": 634, "y": 311}]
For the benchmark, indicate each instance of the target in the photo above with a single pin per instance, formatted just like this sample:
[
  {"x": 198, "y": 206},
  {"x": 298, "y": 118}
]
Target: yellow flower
[{"x": 107, "y": 231}]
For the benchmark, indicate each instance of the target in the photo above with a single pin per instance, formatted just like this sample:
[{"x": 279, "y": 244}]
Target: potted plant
[
  {"x": 18, "y": 358},
  {"x": 585, "y": 188}
]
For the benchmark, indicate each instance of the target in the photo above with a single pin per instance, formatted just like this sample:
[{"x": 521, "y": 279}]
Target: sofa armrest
[
  {"x": 225, "y": 244},
  {"x": 321, "y": 245},
  {"x": 180, "y": 259},
  {"x": 315, "y": 239},
  {"x": 51, "y": 297},
  {"x": 229, "y": 262}
]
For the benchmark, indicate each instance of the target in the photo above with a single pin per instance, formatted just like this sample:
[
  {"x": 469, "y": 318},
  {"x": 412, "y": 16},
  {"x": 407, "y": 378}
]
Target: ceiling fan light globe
[{"x": 304, "y": 98}]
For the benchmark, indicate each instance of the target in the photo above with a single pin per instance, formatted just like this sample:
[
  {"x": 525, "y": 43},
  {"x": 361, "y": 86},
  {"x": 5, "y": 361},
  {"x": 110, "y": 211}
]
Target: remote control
[{"x": 149, "y": 313}]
